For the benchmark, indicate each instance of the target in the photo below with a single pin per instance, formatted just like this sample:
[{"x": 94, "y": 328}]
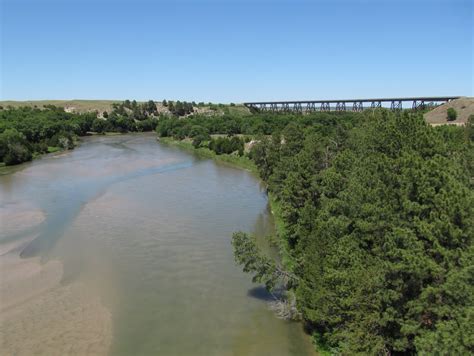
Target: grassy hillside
[
  {"x": 75, "y": 105},
  {"x": 81, "y": 106},
  {"x": 463, "y": 106}
]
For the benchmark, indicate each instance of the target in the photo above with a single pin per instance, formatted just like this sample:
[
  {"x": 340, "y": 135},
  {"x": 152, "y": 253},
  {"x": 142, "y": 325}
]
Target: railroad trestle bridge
[{"x": 356, "y": 105}]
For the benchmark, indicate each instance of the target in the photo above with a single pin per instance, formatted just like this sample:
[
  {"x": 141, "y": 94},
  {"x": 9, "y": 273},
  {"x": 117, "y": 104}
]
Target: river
[{"x": 122, "y": 247}]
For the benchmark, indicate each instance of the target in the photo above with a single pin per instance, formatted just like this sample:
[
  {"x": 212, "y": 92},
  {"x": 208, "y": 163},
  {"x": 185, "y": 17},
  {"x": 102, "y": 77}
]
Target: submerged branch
[{"x": 247, "y": 254}]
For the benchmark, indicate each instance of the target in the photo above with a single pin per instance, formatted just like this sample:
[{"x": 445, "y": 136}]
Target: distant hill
[
  {"x": 464, "y": 107},
  {"x": 106, "y": 105},
  {"x": 69, "y": 105}
]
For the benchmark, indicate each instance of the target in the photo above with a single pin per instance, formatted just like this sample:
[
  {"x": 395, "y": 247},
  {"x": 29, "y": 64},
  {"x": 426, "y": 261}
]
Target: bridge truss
[{"x": 356, "y": 105}]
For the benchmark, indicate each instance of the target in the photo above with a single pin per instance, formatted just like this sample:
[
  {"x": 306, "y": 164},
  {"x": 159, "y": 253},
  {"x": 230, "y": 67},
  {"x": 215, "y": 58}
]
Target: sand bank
[{"x": 38, "y": 314}]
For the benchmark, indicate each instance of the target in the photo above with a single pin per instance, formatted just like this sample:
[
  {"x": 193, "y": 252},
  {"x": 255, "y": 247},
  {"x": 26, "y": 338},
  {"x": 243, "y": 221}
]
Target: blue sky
[{"x": 235, "y": 51}]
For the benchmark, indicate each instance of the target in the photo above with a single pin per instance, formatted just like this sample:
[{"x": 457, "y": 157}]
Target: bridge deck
[{"x": 357, "y": 104}]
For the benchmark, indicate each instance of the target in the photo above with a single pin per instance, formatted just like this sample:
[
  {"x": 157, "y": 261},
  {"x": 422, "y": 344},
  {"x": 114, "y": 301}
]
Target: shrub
[
  {"x": 223, "y": 145},
  {"x": 197, "y": 130},
  {"x": 99, "y": 126},
  {"x": 63, "y": 140},
  {"x": 198, "y": 140},
  {"x": 452, "y": 114},
  {"x": 14, "y": 148}
]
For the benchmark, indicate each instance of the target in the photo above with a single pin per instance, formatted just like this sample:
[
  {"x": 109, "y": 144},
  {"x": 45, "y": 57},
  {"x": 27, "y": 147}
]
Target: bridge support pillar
[
  {"x": 297, "y": 107},
  {"x": 358, "y": 106},
  {"x": 310, "y": 107},
  {"x": 396, "y": 105},
  {"x": 376, "y": 105},
  {"x": 325, "y": 107},
  {"x": 418, "y": 105},
  {"x": 341, "y": 106}
]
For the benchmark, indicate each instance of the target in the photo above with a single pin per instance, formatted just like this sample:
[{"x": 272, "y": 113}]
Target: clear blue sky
[{"x": 234, "y": 51}]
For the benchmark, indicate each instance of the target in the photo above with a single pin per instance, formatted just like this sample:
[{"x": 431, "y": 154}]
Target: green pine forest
[
  {"x": 377, "y": 222},
  {"x": 375, "y": 213}
]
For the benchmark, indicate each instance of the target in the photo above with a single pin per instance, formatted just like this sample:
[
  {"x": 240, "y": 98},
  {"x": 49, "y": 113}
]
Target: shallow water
[{"x": 144, "y": 231}]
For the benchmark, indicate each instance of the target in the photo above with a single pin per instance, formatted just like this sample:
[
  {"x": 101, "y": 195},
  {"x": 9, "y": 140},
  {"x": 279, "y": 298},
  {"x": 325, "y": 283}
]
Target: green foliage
[
  {"x": 259, "y": 124},
  {"x": 197, "y": 130},
  {"x": 378, "y": 219},
  {"x": 180, "y": 108},
  {"x": 470, "y": 129},
  {"x": 132, "y": 111},
  {"x": 37, "y": 129},
  {"x": 52, "y": 149},
  {"x": 452, "y": 114},
  {"x": 99, "y": 126},
  {"x": 121, "y": 123},
  {"x": 199, "y": 134},
  {"x": 150, "y": 107},
  {"x": 375, "y": 213},
  {"x": 148, "y": 124},
  {"x": 62, "y": 139},
  {"x": 14, "y": 147},
  {"x": 197, "y": 141},
  {"x": 224, "y": 145},
  {"x": 233, "y": 160},
  {"x": 53, "y": 127},
  {"x": 254, "y": 261}
]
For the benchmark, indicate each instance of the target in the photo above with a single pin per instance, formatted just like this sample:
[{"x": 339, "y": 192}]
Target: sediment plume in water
[{"x": 38, "y": 314}]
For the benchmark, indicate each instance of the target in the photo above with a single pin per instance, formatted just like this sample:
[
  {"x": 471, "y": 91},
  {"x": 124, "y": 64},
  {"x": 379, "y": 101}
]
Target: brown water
[{"x": 124, "y": 249}]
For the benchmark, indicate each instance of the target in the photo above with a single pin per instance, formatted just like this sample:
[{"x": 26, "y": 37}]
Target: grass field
[
  {"x": 76, "y": 105},
  {"x": 106, "y": 105}
]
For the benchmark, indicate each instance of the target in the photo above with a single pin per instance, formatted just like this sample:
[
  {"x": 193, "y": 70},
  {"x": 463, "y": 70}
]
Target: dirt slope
[
  {"x": 464, "y": 107},
  {"x": 68, "y": 105}
]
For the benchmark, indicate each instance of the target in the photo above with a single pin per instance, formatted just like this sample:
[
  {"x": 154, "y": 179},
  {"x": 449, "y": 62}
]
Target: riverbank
[
  {"x": 143, "y": 242},
  {"x": 280, "y": 241},
  {"x": 36, "y": 304},
  {"x": 247, "y": 164},
  {"x": 233, "y": 160},
  {"x": 52, "y": 150}
]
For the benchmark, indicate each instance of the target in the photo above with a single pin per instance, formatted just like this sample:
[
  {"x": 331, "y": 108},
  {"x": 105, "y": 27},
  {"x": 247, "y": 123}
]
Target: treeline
[
  {"x": 379, "y": 221},
  {"x": 199, "y": 128},
  {"x": 26, "y": 132},
  {"x": 133, "y": 110},
  {"x": 129, "y": 116},
  {"x": 378, "y": 217},
  {"x": 259, "y": 124},
  {"x": 179, "y": 108}
]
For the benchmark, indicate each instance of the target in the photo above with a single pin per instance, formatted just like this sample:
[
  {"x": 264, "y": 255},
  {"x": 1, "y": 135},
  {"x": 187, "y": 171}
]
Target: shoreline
[
  {"x": 65, "y": 294},
  {"x": 273, "y": 205},
  {"x": 241, "y": 162},
  {"x": 248, "y": 165},
  {"x": 37, "y": 306},
  {"x": 53, "y": 150}
]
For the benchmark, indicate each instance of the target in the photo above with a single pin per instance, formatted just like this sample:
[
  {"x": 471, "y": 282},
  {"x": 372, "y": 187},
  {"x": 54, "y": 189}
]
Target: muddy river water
[{"x": 122, "y": 247}]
